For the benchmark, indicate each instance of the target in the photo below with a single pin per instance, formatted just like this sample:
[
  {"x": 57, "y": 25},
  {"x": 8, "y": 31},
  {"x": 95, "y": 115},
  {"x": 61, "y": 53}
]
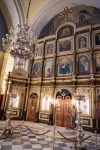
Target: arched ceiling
[
  {"x": 6, "y": 14},
  {"x": 40, "y": 13},
  {"x": 35, "y": 7}
]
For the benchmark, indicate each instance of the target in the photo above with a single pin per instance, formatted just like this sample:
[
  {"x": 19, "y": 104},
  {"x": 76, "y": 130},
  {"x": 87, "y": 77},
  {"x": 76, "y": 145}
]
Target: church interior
[{"x": 49, "y": 53}]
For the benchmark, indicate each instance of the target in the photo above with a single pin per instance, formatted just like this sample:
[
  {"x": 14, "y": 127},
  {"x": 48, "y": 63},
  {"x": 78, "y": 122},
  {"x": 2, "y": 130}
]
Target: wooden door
[
  {"x": 67, "y": 119},
  {"x": 32, "y": 107},
  {"x": 63, "y": 112}
]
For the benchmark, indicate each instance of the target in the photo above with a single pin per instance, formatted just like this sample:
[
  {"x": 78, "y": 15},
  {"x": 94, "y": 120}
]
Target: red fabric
[{"x": 36, "y": 133}]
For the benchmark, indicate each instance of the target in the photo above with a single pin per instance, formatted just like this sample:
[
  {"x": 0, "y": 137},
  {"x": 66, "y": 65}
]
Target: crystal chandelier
[{"x": 20, "y": 42}]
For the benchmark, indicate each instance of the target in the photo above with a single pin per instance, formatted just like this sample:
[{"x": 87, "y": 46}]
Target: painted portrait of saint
[
  {"x": 82, "y": 42},
  {"x": 37, "y": 70},
  {"x": 83, "y": 65},
  {"x": 45, "y": 102},
  {"x": 97, "y": 39},
  {"x": 64, "y": 45},
  {"x": 14, "y": 100},
  {"x": 51, "y": 29},
  {"x": 64, "y": 67},
  {"x": 58, "y": 106},
  {"x": 98, "y": 64},
  {"x": 65, "y": 32},
  {"x": 48, "y": 68},
  {"x": 38, "y": 51},
  {"x": 82, "y": 20},
  {"x": 50, "y": 49},
  {"x": 85, "y": 105}
]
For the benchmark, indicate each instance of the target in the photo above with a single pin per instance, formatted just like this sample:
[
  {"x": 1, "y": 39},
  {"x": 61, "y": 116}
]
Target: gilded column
[
  {"x": 8, "y": 92},
  {"x": 26, "y": 100},
  {"x": 4, "y": 105},
  {"x": 91, "y": 64},
  {"x": 93, "y": 107},
  {"x": 38, "y": 105},
  {"x": 73, "y": 105},
  {"x": 74, "y": 67},
  {"x": 3, "y": 102},
  {"x": 74, "y": 64}
]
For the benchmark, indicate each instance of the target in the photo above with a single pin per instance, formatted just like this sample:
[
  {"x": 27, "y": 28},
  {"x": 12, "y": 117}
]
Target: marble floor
[{"x": 37, "y": 136}]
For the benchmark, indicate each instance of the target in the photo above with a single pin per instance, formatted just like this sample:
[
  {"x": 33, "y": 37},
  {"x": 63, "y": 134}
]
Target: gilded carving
[{"x": 19, "y": 73}]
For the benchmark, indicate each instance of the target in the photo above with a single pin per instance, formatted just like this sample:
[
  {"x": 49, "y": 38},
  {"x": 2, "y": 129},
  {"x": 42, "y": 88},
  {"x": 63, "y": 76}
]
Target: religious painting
[
  {"x": 39, "y": 50},
  {"x": 85, "y": 105},
  {"x": 14, "y": 100},
  {"x": 32, "y": 103},
  {"x": 82, "y": 20},
  {"x": 67, "y": 107},
  {"x": 50, "y": 48},
  {"x": 37, "y": 70},
  {"x": 65, "y": 45},
  {"x": 48, "y": 70},
  {"x": 65, "y": 31},
  {"x": 64, "y": 67},
  {"x": 82, "y": 42},
  {"x": 98, "y": 63},
  {"x": 86, "y": 101},
  {"x": 58, "y": 106},
  {"x": 83, "y": 65},
  {"x": 46, "y": 102},
  {"x": 51, "y": 29},
  {"x": 97, "y": 39},
  {"x": 33, "y": 99}
]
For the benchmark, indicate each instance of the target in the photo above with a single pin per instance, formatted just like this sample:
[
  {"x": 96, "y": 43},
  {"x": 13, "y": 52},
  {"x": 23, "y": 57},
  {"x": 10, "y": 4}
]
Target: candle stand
[
  {"x": 7, "y": 132},
  {"x": 79, "y": 131}
]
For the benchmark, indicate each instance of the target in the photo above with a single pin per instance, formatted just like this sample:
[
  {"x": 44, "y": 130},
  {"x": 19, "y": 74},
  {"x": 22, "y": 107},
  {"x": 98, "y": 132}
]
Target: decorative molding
[{"x": 19, "y": 73}]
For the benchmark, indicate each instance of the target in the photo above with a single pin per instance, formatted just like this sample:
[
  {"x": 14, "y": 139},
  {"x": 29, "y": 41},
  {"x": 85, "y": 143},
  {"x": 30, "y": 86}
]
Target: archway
[
  {"x": 63, "y": 108},
  {"x": 32, "y": 107}
]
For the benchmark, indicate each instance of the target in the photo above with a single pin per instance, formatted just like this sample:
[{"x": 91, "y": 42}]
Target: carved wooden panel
[
  {"x": 63, "y": 112},
  {"x": 32, "y": 107}
]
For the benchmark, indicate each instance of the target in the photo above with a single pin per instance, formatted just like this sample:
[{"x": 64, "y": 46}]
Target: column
[
  {"x": 91, "y": 64},
  {"x": 26, "y": 100},
  {"x": 38, "y": 104},
  {"x": 74, "y": 67},
  {"x": 73, "y": 106},
  {"x": 6, "y": 99},
  {"x": 3, "y": 102},
  {"x": 93, "y": 102},
  {"x": 93, "y": 107},
  {"x": 74, "y": 63}
]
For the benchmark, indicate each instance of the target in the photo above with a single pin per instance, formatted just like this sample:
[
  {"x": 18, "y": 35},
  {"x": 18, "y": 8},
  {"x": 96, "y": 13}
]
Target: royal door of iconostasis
[
  {"x": 32, "y": 107},
  {"x": 63, "y": 114}
]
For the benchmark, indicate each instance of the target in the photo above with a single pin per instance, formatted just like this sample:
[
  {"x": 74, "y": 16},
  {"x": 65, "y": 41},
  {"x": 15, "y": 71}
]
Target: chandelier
[{"x": 20, "y": 42}]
